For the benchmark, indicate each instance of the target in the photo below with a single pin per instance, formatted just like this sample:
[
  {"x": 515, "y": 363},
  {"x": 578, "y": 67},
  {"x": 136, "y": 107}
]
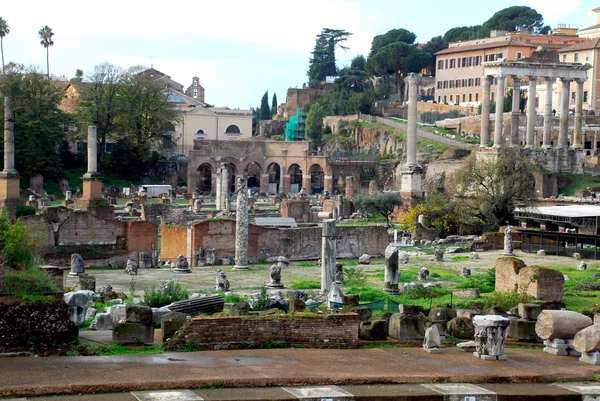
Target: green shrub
[
  {"x": 263, "y": 302},
  {"x": 27, "y": 282},
  {"x": 172, "y": 292},
  {"x": 23, "y": 210},
  {"x": 419, "y": 291},
  {"x": 232, "y": 298},
  {"x": 354, "y": 276},
  {"x": 506, "y": 300},
  {"x": 15, "y": 243},
  {"x": 367, "y": 294}
]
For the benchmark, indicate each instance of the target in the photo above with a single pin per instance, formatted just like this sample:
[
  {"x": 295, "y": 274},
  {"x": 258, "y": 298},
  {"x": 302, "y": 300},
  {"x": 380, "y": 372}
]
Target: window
[
  {"x": 464, "y": 83},
  {"x": 441, "y": 65},
  {"x": 464, "y": 61},
  {"x": 576, "y": 57},
  {"x": 585, "y": 96},
  {"x": 200, "y": 134},
  {"x": 446, "y": 64},
  {"x": 499, "y": 56},
  {"x": 458, "y": 83},
  {"x": 477, "y": 81},
  {"x": 195, "y": 93},
  {"x": 470, "y": 97},
  {"x": 444, "y": 98},
  {"x": 519, "y": 55},
  {"x": 451, "y": 84},
  {"x": 439, "y": 99},
  {"x": 470, "y": 61},
  {"x": 452, "y": 63},
  {"x": 470, "y": 81},
  {"x": 564, "y": 58},
  {"x": 464, "y": 97},
  {"x": 233, "y": 129},
  {"x": 195, "y": 83},
  {"x": 476, "y": 96},
  {"x": 445, "y": 84},
  {"x": 450, "y": 98},
  {"x": 439, "y": 85}
]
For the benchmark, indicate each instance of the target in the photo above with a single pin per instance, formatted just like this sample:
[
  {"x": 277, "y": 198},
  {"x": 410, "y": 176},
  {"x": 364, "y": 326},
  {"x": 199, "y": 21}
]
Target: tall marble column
[
  {"x": 563, "y": 134},
  {"x": 531, "y": 113},
  {"x": 515, "y": 111},
  {"x": 9, "y": 136},
  {"x": 222, "y": 187},
  {"x": 411, "y": 183},
  {"x": 578, "y": 130},
  {"x": 92, "y": 150},
  {"x": 411, "y": 135},
  {"x": 499, "y": 112},
  {"x": 241, "y": 226},
  {"x": 485, "y": 111},
  {"x": 547, "y": 138},
  {"x": 328, "y": 255}
]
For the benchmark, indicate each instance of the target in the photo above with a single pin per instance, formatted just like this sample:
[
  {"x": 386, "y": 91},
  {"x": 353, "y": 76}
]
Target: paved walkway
[{"x": 26, "y": 377}]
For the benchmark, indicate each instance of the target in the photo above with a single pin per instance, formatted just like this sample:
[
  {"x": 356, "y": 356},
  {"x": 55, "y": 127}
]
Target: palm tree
[
  {"x": 4, "y": 30},
  {"x": 46, "y": 35}
]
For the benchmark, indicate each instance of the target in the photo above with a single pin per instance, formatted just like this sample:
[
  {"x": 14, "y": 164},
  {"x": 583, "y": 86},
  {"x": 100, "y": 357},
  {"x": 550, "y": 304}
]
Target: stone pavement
[{"x": 275, "y": 368}]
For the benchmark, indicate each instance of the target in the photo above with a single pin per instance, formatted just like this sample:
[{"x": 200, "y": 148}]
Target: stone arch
[
  {"x": 205, "y": 176},
  {"x": 252, "y": 173},
  {"x": 233, "y": 129},
  {"x": 317, "y": 178},
  {"x": 295, "y": 173},
  {"x": 200, "y": 135},
  {"x": 274, "y": 173}
]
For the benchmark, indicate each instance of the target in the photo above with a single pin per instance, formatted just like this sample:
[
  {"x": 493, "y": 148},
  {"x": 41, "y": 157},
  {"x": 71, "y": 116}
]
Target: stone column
[
  {"x": 328, "y": 254},
  {"x": 306, "y": 184},
  {"x": 499, "y": 111},
  {"x": 515, "y": 111},
  {"x": 411, "y": 136},
  {"x": 328, "y": 183},
  {"x": 264, "y": 183},
  {"x": 547, "y": 138},
  {"x": 241, "y": 226},
  {"x": 578, "y": 130},
  {"x": 563, "y": 134},
  {"x": 9, "y": 136},
  {"x": 349, "y": 187},
  {"x": 92, "y": 150},
  {"x": 531, "y": 113},
  {"x": 282, "y": 180},
  {"x": 340, "y": 206},
  {"x": 485, "y": 111},
  {"x": 224, "y": 188}
]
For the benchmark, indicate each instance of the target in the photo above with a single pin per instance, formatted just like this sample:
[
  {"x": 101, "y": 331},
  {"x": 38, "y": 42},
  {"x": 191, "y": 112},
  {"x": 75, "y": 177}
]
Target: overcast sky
[{"x": 237, "y": 48}]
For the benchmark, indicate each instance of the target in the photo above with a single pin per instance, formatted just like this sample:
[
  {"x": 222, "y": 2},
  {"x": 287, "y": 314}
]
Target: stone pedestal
[
  {"x": 9, "y": 193},
  {"x": 490, "y": 333},
  {"x": 412, "y": 182},
  {"x": 91, "y": 193},
  {"x": 593, "y": 358},
  {"x": 560, "y": 347}
]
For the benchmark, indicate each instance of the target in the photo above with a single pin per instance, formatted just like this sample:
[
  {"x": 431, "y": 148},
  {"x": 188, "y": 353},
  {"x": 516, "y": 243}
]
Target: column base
[
  {"x": 236, "y": 267},
  {"x": 10, "y": 193},
  {"x": 412, "y": 182}
]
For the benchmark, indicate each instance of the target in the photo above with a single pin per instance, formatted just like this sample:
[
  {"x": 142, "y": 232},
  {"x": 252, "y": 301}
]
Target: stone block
[
  {"x": 374, "y": 330},
  {"x": 364, "y": 313},
  {"x": 297, "y": 305},
  {"x": 133, "y": 333},
  {"x": 102, "y": 321},
  {"x": 90, "y": 313},
  {"x": 529, "y": 311},
  {"x": 78, "y": 298},
  {"x": 467, "y": 293},
  {"x": 461, "y": 327},
  {"x": 410, "y": 309},
  {"x": 351, "y": 300},
  {"x": 593, "y": 358},
  {"x": 407, "y": 327},
  {"x": 441, "y": 314},
  {"x": 468, "y": 313},
  {"x": 507, "y": 272},
  {"x": 87, "y": 282},
  {"x": 522, "y": 330},
  {"x": 157, "y": 315},
  {"x": 170, "y": 323},
  {"x": 138, "y": 314},
  {"x": 77, "y": 314}
]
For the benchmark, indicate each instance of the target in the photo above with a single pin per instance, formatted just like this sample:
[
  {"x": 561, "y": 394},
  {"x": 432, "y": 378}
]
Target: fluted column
[
  {"x": 485, "y": 111},
  {"x": 547, "y": 141},
  {"x": 563, "y": 134},
  {"x": 411, "y": 137},
  {"x": 531, "y": 113},
  {"x": 578, "y": 130},
  {"x": 515, "y": 111},
  {"x": 499, "y": 111},
  {"x": 9, "y": 136}
]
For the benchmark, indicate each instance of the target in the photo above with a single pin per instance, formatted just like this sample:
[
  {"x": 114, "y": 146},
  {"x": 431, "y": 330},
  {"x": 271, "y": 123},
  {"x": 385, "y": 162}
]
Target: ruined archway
[
  {"x": 204, "y": 183},
  {"x": 274, "y": 172},
  {"x": 295, "y": 173},
  {"x": 317, "y": 179},
  {"x": 252, "y": 173}
]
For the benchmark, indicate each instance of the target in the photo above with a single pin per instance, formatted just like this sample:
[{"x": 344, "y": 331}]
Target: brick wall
[
  {"x": 82, "y": 228},
  {"x": 141, "y": 235},
  {"x": 173, "y": 242},
  {"x": 296, "y": 209},
  {"x": 538, "y": 282},
  {"x": 315, "y": 331}
]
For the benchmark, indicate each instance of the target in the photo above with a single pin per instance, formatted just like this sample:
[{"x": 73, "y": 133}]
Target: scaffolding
[{"x": 295, "y": 129}]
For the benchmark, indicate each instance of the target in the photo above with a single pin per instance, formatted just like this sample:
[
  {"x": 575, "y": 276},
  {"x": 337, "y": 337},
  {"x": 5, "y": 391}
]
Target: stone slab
[
  {"x": 593, "y": 358},
  {"x": 166, "y": 395},
  {"x": 321, "y": 393},
  {"x": 531, "y": 392},
  {"x": 592, "y": 389},
  {"x": 463, "y": 392}
]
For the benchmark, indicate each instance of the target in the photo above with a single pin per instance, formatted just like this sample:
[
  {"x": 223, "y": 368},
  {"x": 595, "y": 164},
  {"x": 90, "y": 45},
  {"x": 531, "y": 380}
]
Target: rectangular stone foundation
[
  {"x": 490, "y": 357},
  {"x": 560, "y": 347},
  {"x": 411, "y": 184}
]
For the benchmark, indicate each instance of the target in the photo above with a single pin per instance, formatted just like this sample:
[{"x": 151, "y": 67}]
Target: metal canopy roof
[
  {"x": 562, "y": 211},
  {"x": 275, "y": 222}
]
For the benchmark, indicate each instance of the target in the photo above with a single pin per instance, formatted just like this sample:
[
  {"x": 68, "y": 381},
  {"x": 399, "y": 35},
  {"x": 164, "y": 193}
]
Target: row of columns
[{"x": 531, "y": 114}]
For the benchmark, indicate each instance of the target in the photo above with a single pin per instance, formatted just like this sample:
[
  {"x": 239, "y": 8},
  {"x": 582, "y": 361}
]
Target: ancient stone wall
[
  {"x": 264, "y": 243},
  {"x": 296, "y": 209},
  {"x": 141, "y": 235},
  {"x": 35, "y": 325},
  {"x": 268, "y": 128},
  {"x": 538, "y": 282},
  {"x": 82, "y": 228},
  {"x": 507, "y": 273},
  {"x": 318, "y": 331}
]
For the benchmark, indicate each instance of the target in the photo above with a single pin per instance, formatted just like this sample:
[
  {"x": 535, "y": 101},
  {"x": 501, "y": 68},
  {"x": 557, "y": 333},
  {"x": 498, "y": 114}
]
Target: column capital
[
  {"x": 565, "y": 80},
  {"x": 413, "y": 78}
]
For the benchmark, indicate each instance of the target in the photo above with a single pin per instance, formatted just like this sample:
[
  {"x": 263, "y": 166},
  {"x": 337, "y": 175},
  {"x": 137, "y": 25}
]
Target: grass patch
[
  {"x": 579, "y": 182},
  {"x": 458, "y": 258},
  {"x": 306, "y": 285},
  {"x": 114, "y": 350},
  {"x": 27, "y": 282}
]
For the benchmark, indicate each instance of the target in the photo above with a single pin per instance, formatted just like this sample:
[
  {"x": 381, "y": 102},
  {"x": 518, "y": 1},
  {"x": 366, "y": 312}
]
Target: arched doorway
[
  {"x": 317, "y": 179},
  {"x": 274, "y": 171},
  {"x": 253, "y": 175},
  {"x": 295, "y": 173},
  {"x": 204, "y": 179}
]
